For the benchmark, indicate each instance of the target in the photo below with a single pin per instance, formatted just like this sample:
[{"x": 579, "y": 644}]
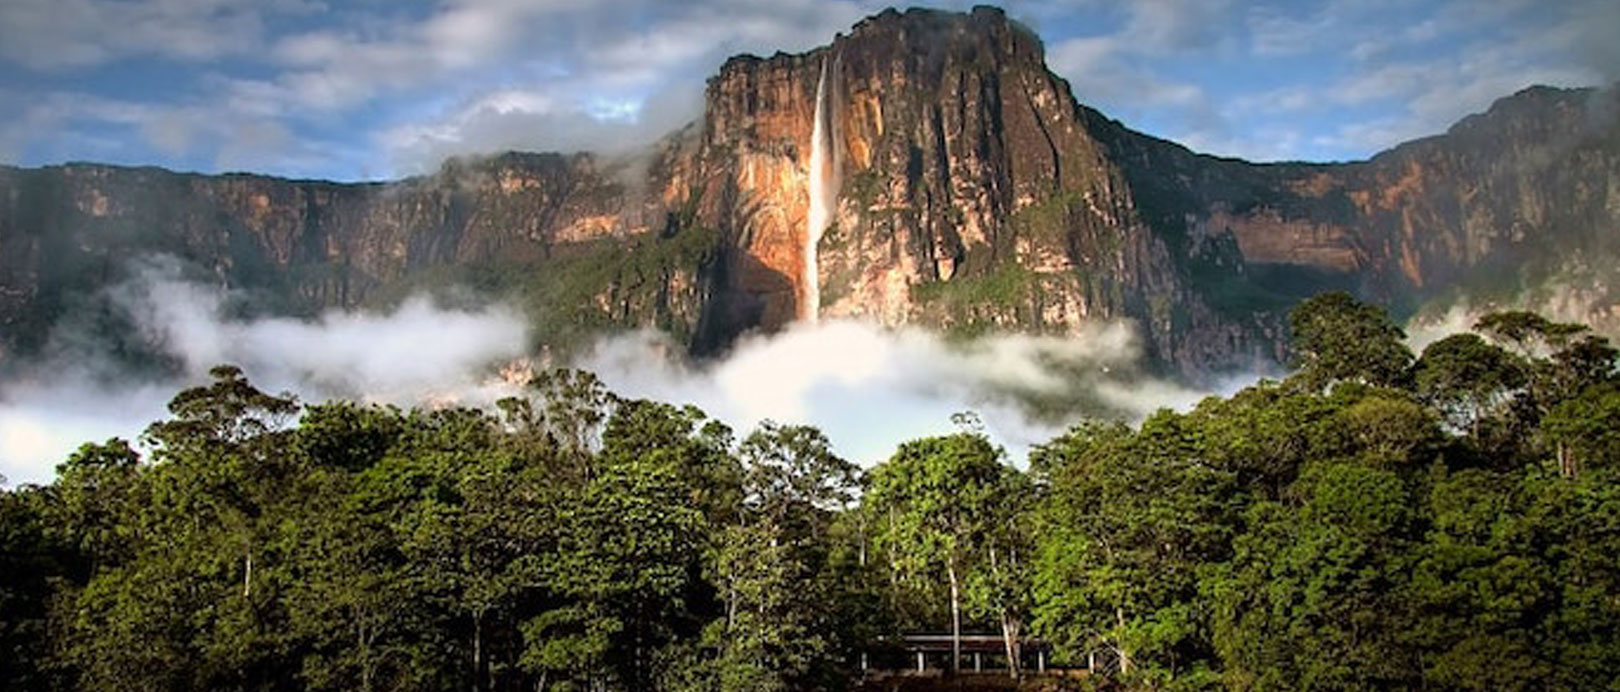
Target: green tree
[
  {"x": 1312, "y": 597},
  {"x": 1586, "y": 429},
  {"x": 684, "y": 442},
  {"x": 1335, "y": 530},
  {"x": 1129, "y": 520},
  {"x": 1564, "y": 360},
  {"x": 94, "y": 501},
  {"x": 623, "y": 574},
  {"x": 34, "y": 564},
  {"x": 793, "y": 480},
  {"x": 196, "y": 602},
  {"x": 1482, "y": 590},
  {"x": 1337, "y": 338},
  {"x": 561, "y": 417},
  {"x": 1468, "y": 380},
  {"x": 1002, "y": 586},
  {"x": 770, "y": 566},
  {"x": 228, "y": 410},
  {"x": 626, "y": 579},
  {"x": 1532, "y": 335},
  {"x": 935, "y": 500},
  {"x": 347, "y": 436}
]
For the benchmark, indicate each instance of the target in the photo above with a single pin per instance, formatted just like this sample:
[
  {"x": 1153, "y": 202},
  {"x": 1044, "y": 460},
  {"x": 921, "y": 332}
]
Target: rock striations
[{"x": 958, "y": 185}]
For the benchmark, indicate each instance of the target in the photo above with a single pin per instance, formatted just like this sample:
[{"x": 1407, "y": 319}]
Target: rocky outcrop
[{"x": 973, "y": 193}]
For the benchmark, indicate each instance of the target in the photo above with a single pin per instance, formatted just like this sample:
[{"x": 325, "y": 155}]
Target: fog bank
[{"x": 869, "y": 388}]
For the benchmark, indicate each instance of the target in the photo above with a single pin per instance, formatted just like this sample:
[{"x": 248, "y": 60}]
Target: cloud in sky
[
  {"x": 358, "y": 90},
  {"x": 62, "y": 34},
  {"x": 1328, "y": 79}
]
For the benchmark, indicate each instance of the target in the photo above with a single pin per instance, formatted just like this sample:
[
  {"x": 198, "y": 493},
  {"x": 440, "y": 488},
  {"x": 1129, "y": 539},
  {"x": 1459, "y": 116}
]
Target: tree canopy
[{"x": 1373, "y": 521}]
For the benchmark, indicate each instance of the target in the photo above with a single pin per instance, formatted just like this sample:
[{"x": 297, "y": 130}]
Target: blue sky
[{"x": 369, "y": 89}]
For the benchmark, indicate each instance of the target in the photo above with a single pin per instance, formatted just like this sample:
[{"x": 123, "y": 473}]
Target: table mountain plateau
[{"x": 925, "y": 168}]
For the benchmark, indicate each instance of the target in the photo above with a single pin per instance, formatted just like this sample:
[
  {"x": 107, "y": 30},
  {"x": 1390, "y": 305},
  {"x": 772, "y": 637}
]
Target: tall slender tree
[{"x": 939, "y": 497}]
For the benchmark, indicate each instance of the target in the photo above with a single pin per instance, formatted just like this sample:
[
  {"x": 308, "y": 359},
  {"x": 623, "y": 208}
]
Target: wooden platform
[{"x": 928, "y": 655}]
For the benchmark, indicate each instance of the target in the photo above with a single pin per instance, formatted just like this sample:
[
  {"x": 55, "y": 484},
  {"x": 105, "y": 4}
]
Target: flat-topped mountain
[{"x": 925, "y": 168}]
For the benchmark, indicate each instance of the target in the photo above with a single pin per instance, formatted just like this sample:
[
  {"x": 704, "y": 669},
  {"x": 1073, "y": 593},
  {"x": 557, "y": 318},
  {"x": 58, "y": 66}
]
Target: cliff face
[
  {"x": 967, "y": 190},
  {"x": 66, "y": 232},
  {"x": 974, "y": 194},
  {"x": 1502, "y": 202},
  {"x": 1533, "y": 184}
]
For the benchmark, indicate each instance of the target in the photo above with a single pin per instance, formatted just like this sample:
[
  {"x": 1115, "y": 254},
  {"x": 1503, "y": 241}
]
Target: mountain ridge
[{"x": 979, "y": 194}]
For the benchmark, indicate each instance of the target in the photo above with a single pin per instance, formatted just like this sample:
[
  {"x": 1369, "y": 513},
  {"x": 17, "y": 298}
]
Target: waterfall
[{"x": 823, "y": 193}]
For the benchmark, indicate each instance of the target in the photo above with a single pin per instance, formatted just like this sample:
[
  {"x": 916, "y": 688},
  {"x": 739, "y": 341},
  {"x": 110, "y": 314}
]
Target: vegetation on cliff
[
  {"x": 968, "y": 168},
  {"x": 1376, "y": 520}
]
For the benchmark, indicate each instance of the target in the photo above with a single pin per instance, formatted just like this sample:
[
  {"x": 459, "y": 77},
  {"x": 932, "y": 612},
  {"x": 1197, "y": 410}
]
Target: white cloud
[
  {"x": 867, "y": 387},
  {"x": 41, "y": 423},
  {"x": 1121, "y": 72},
  {"x": 234, "y": 140},
  {"x": 56, "y": 34},
  {"x": 557, "y": 62},
  {"x": 534, "y": 121},
  {"x": 609, "y": 86},
  {"x": 870, "y": 388},
  {"x": 417, "y": 353},
  {"x": 1591, "y": 29},
  {"x": 1182, "y": 27},
  {"x": 401, "y": 355},
  {"x": 1287, "y": 99},
  {"x": 1102, "y": 68},
  {"x": 596, "y": 45},
  {"x": 371, "y": 85},
  {"x": 1274, "y": 34},
  {"x": 1426, "y": 97}
]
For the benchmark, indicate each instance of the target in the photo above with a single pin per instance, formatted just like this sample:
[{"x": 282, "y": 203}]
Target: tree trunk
[
  {"x": 1009, "y": 636},
  {"x": 861, "y": 533},
  {"x": 364, "y": 645},
  {"x": 956, "y": 619},
  {"x": 1124, "y": 656},
  {"x": 478, "y": 647},
  {"x": 1566, "y": 461}
]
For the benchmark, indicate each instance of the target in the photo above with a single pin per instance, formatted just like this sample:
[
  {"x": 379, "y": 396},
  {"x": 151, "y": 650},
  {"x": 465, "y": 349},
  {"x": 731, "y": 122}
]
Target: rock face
[
  {"x": 67, "y": 232},
  {"x": 975, "y": 194},
  {"x": 970, "y": 193},
  {"x": 1520, "y": 194}
]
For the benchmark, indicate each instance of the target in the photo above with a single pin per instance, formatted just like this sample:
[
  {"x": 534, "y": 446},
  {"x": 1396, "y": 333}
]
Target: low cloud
[
  {"x": 521, "y": 120},
  {"x": 1558, "y": 300},
  {"x": 1427, "y": 328},
  {"x": 869, "y": 388},
  {"x": 419, "y": 353},
  {"x": 394, "y": 356}
]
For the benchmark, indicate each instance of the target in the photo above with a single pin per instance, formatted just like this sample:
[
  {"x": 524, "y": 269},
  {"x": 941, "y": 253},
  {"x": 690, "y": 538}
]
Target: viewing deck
[{"x": 924, "y": 654}]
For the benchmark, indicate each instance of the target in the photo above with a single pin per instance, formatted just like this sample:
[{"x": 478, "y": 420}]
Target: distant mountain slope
[{"x": 972, "y": 193}]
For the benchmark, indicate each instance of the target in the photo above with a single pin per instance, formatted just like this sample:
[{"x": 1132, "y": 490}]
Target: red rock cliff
[{"x": 975, "y": 194}]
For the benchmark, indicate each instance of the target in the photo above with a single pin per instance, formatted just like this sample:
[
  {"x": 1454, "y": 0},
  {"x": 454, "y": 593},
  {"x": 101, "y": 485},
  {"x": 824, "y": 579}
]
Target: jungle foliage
[{"x": 1379, "y": 519}]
